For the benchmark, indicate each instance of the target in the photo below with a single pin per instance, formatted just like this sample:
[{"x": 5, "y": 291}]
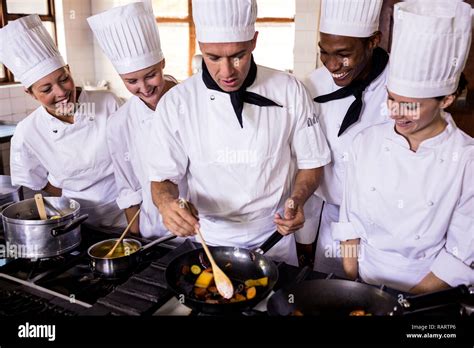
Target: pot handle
[
  {"x": 269, "y": 243},
  {"x": 57, "y": 231},
  {"x": 437, "y": 298},
  {"x": 158, "y": 241}
]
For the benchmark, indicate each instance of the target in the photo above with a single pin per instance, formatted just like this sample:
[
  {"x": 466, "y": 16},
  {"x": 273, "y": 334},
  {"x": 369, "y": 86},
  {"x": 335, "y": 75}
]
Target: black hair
[{"x": 461, "y": 87}]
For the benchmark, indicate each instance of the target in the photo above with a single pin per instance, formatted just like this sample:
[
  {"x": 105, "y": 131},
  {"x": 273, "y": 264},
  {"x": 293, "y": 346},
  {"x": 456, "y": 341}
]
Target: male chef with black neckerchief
[{"x": 246, "y": 138}]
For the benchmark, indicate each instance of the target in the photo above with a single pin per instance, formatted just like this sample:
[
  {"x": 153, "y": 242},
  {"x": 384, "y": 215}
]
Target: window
[
  {"x": 275, "y": 24},
  {"x": 14, "y": 9}
]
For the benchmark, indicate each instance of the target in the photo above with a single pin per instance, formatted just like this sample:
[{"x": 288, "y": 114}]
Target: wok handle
[
  {"x": 58, "y": 231},
  {"x": 269, "y": 243},
  {"x": 438, "y": 298}
]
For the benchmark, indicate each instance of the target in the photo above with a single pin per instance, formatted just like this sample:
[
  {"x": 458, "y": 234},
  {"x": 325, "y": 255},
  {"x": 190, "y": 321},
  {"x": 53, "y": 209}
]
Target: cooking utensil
[
  {"x": 337, "y": 298},
  {"x": 40, "y": 206},
  {"x": 110, "y": 253},
  {"x": 42, "y": 238},
  {"x": 223, "y": 283},
  {"x": 118, "y": 266},
  {"x": 244, "y": 264}
]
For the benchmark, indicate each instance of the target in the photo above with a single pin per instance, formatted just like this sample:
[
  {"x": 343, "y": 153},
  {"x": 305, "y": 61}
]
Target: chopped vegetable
[
  {"x": 256, "y": 282},
  {"x": 195, "y": 269},
  {"x": 200, "y": 292},
  {"x": 251, "y": 292},
  {"x": 238, "y": 298},
  {"x": 55, "y": 217},
  {"x": 204, "y": 280},
  {"x": 185, "y": 270}
]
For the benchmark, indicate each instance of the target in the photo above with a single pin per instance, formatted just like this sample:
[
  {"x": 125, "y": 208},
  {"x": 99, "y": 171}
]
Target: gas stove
[{"x": 66, "y": 286}]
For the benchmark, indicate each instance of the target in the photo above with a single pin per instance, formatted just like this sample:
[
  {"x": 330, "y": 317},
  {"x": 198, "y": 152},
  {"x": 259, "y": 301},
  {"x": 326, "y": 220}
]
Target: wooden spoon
[
  {"x": 110, "y": 253},
  {"x": 223, "y": 283},
  {"x": 40, "y": 206}
]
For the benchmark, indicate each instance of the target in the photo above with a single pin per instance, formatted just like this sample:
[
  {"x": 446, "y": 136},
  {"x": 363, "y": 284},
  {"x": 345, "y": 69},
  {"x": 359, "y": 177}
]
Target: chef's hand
[
  {"x": 179, "y": 218},
  {"x": 350, "y": 257},
  {"x": 293, "y": 217}
]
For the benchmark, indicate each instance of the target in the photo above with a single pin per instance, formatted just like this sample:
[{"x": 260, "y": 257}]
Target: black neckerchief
[
  {"x": 357, "y": 88},
  {"x": 241, "y": 96}
]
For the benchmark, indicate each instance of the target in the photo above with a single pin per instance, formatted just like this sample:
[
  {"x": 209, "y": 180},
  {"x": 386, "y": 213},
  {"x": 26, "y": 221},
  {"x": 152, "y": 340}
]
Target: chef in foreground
[
  {"x": 409, "y": 194},
  {"x": 246, "y": 138}
]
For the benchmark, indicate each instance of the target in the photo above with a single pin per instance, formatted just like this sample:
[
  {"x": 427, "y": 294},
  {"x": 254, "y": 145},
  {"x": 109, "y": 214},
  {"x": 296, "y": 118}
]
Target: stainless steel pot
[
  {"x": 34, "y": 238},
  {"x": 115, "y": 267},
  {"x": 8, "y": 192}
]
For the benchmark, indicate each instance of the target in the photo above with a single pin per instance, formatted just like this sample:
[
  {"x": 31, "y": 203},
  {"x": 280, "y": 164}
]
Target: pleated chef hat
[
  {"x": 431, "y": 41},
  {"x": 129, "y": 36},
  {"x": 355, "y": 18},
  {"x": 27, "y": 49},
  {"x": 224, "y": 20}
]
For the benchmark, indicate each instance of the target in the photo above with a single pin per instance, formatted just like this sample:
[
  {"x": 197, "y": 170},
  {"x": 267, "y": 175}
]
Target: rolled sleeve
[
  {"x": 342, "y": 231},
  {"x": 127, "y": 199},
  {"x": 452, "y": 270}
]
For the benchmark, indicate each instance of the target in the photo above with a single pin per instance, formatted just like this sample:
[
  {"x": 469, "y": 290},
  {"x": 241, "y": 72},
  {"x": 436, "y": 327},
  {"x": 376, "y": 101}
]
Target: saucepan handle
[
  {"x": 444, "y": 297},
  {"x": 58, "y": 231},
  {"x": 269, "y": 243}
]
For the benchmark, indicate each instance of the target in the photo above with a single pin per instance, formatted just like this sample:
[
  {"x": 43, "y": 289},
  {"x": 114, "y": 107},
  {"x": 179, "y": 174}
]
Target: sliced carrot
[{"x": 251, "y": 293}]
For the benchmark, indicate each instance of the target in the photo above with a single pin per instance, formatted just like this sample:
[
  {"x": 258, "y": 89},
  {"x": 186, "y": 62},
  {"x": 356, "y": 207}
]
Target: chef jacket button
[
  {"x": 55, "y": 130},
  {"x": 386, "y": 148},
  {"x": 372, "y": 189},
  {"x": 430, "y": 203},
  {"x": 212, "y": 97},
  {"x": 441, "y": 160},
  {"x": 417, "y": 237}
]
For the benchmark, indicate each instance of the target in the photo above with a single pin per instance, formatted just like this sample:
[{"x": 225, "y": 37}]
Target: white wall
[{"x": 306, "y": 52}]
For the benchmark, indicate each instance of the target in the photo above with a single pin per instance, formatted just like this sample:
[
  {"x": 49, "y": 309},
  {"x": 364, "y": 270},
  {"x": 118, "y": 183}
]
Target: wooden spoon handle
[
  {"x": 123, "y": 234},
  {"x": 40, "y": 206},
  {"x": 206, "y": 249}
]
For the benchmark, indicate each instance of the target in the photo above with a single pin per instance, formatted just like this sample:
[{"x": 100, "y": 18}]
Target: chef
[
  {"x": 350, "y": 89},
  {"x": 409, "y": 195},
  {"x": 61, "y": 146},
  {"x": 246, "y": 138},
  {"x": 129, "y": 37}
]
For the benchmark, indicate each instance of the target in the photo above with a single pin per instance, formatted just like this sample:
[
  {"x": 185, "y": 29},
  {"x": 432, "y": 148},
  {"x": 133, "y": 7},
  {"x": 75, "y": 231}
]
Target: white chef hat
[
  {"x": 224, "y": 20},
  {"x": 129, "y": 36},
  {"x": 431, "y": 41},
  {"x": 27, "y": 49},
  {"x": 355, "y": 18}
]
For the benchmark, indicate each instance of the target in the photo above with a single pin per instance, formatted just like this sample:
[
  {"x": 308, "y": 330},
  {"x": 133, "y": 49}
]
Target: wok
[
  {"x": 245, "y": 264},
  {"x": 337, "y": 297}
]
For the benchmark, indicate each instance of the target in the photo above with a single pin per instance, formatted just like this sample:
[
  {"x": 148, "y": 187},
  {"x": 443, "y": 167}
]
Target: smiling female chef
[
  {"x": 61, "y": 146},
  {"x": 129, "y": 37},
  {"x": 350, "y": 89},
  {"x": 409, "y": 193},
  {"x": 239, "y": 134}
]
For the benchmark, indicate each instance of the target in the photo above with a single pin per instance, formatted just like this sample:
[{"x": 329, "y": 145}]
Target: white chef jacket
[
  {"x": 128, "y": 133},
  {"x": 73, "y": 157},
  {"x": 414, "y": 212},
  {"x": 320, "y": 82},
  {"x": 373, "y": 112},
  {"x": 238, "y": 178}
]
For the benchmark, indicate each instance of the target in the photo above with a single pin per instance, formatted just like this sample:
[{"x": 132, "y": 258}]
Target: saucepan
[{"x": 125, "y": 258}]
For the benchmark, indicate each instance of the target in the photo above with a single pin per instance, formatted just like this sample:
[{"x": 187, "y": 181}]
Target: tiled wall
[
  {"x": 306, "y": 52},
  {"x": 15, "y": 104}
]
